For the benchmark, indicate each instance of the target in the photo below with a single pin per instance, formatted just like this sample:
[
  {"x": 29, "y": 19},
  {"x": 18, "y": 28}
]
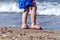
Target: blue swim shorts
[{"x": 25, "y": 3}]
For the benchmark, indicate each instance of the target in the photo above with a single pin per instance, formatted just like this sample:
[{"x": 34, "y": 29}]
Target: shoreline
[{"x": 15, "y": 33}]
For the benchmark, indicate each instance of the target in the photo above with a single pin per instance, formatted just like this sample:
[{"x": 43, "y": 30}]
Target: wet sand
[{"x": 13, "y": 33}]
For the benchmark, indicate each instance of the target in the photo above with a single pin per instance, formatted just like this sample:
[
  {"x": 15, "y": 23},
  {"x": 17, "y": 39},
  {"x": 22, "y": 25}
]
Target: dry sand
[{"x": 28, "y": 34}]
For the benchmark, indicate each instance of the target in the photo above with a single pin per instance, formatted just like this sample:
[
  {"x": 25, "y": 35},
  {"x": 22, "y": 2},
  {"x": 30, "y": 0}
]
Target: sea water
[{"x": 48, "y": 14}]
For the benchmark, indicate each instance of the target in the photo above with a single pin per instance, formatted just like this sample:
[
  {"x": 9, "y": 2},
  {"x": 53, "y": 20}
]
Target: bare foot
[
  {"x": 36, "y": 27},
  {"x": 25, "y": 27}
]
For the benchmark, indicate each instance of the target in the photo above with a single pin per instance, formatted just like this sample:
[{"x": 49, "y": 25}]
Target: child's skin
[{"x": 33, "y": 17}]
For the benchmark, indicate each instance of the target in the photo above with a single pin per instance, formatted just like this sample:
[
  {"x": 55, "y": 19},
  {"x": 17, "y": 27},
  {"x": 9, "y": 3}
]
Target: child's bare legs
[
  {"x": 24, "y": 18},
  {"x": 33, "y": 18}
]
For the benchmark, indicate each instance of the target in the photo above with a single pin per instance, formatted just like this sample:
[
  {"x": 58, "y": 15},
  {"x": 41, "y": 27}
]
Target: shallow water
[{"x": 12, "y": 19}]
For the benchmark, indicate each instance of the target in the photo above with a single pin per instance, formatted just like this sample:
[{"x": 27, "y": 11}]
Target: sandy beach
[{"x": 13, "y": 33}]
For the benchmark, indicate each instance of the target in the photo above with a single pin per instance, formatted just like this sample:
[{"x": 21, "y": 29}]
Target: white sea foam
[
  {"x": 9, "y": 7},
  {"x": 44, "y": 8}
]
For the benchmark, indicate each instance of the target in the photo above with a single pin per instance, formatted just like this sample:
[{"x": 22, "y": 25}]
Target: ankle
[
  {"x": 33, "y": 24},
  {"x": 24, "y": 24}
]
